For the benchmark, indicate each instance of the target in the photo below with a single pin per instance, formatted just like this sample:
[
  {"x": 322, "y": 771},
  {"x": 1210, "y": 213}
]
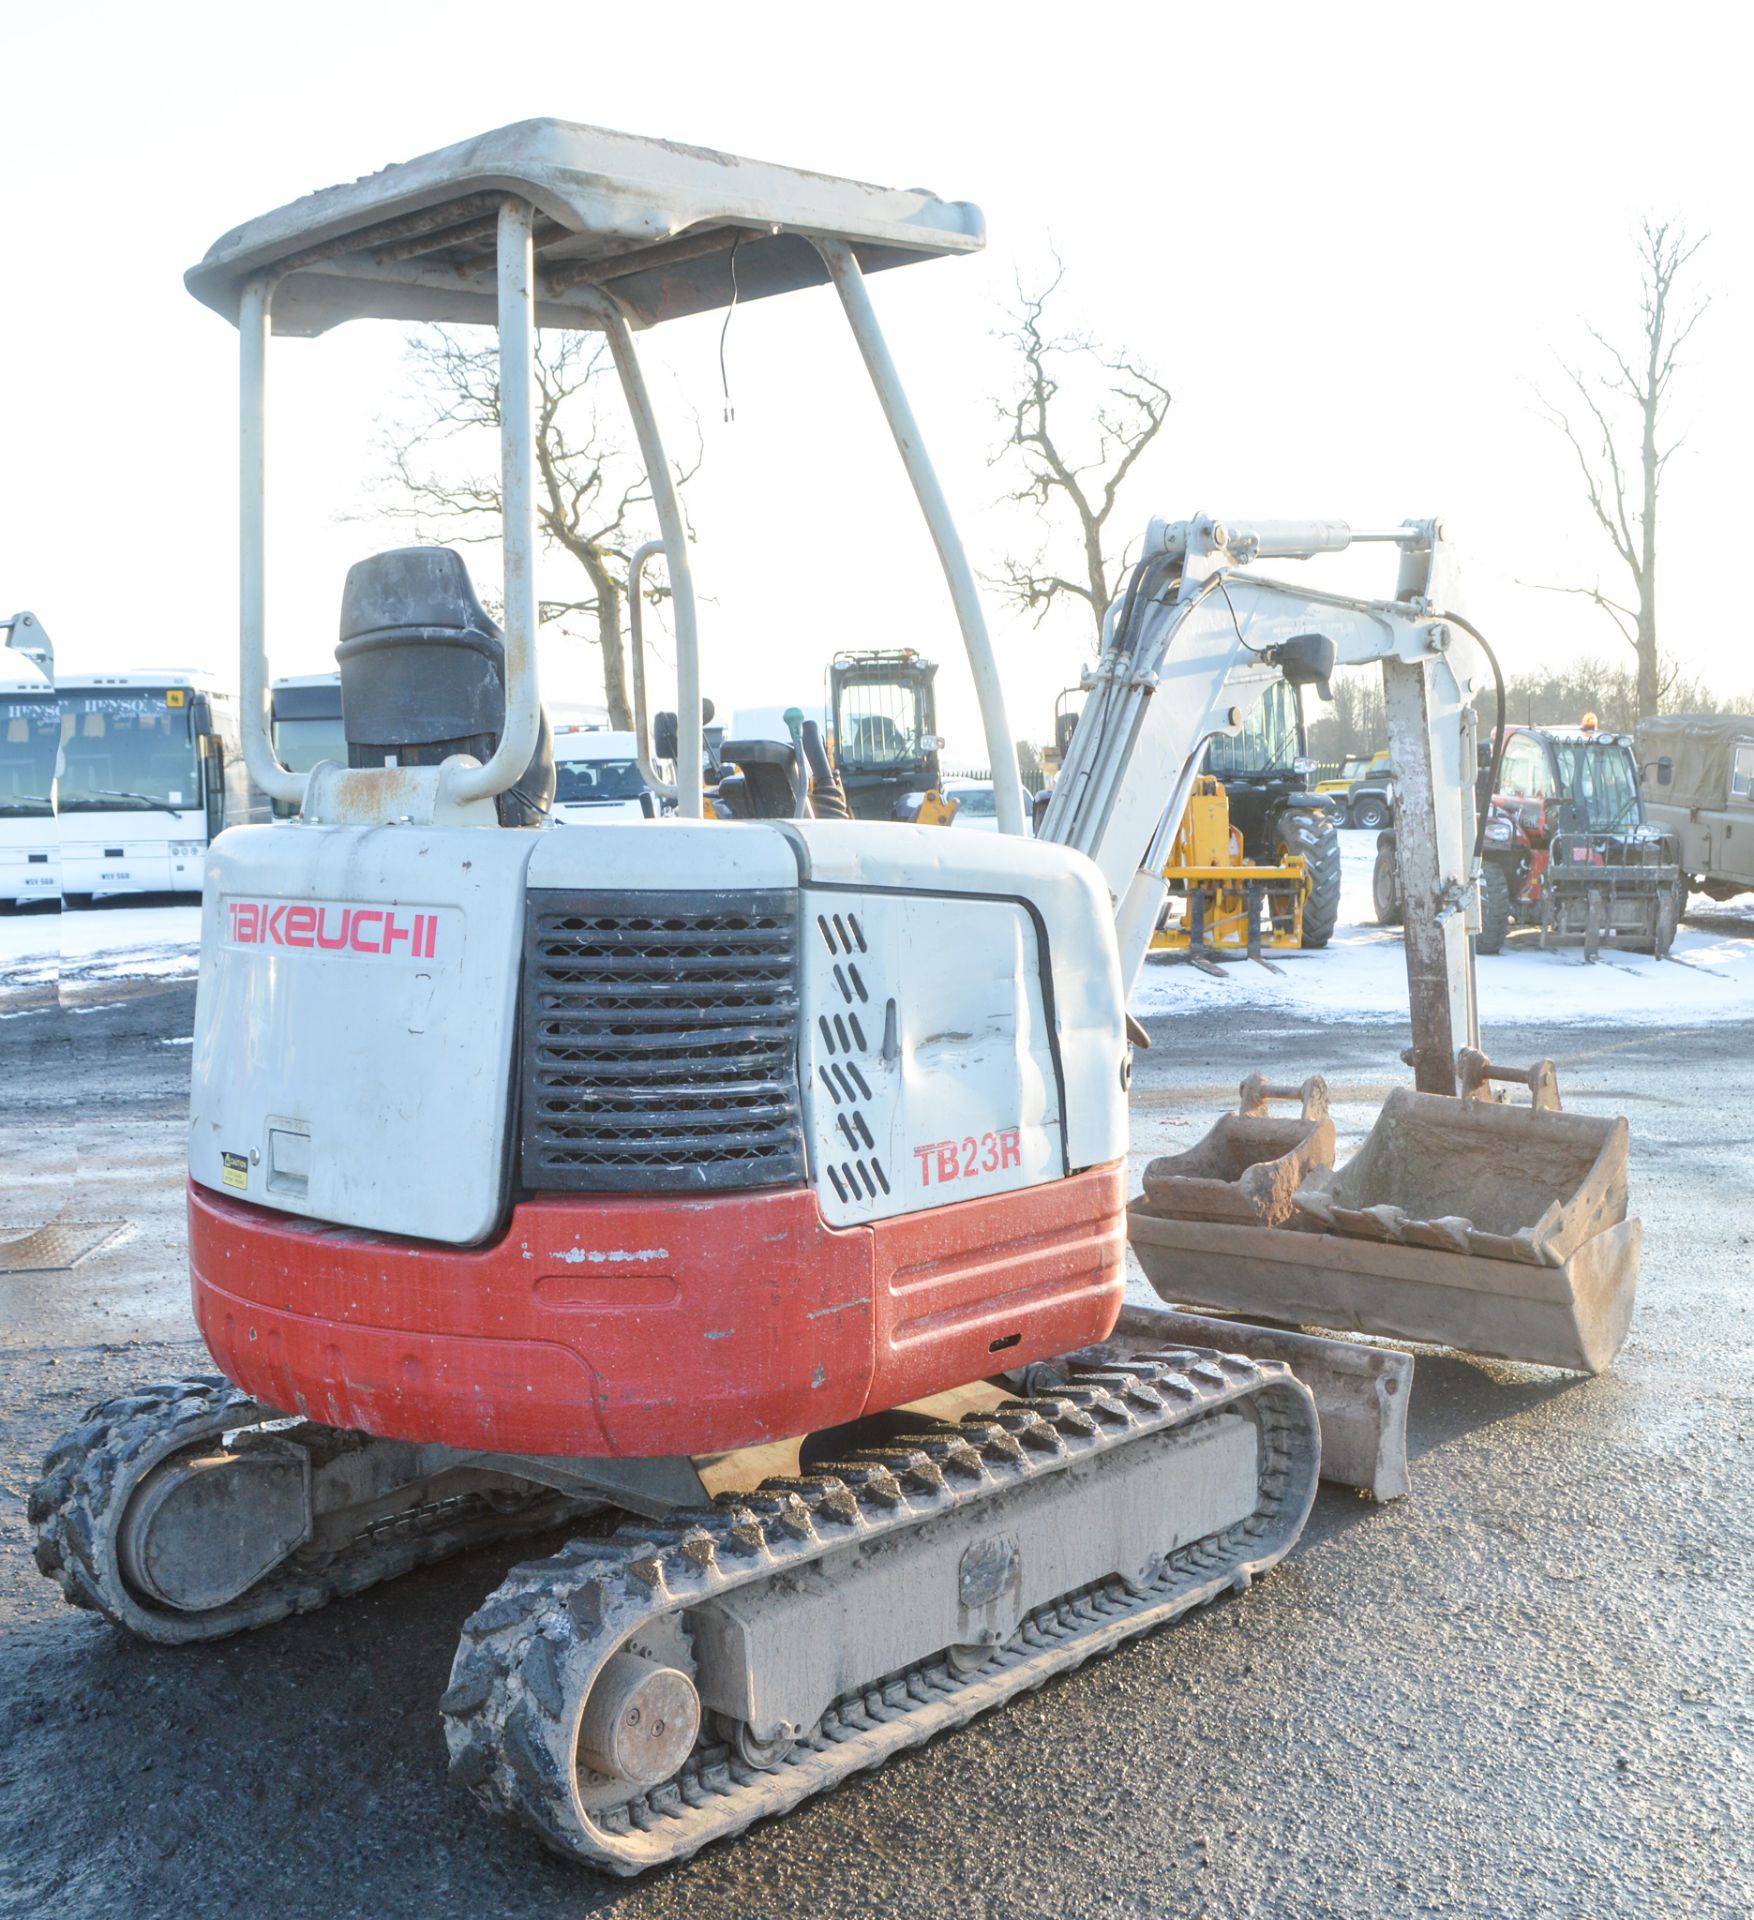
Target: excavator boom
[{"x": 1187, "y": 648}]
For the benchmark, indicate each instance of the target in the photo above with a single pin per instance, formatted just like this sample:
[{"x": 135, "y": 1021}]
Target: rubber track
[
  {"x": 90, "y": 1474},
  {"x": 526, "y": 1659}
]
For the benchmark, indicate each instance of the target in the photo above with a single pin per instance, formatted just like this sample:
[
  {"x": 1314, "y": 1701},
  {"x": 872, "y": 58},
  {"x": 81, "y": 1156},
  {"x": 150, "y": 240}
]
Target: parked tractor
[
  {"x": 1567, "y": 847},
  {"x": 886, "y": 741},
  {"x": 1362, "y": 793}
]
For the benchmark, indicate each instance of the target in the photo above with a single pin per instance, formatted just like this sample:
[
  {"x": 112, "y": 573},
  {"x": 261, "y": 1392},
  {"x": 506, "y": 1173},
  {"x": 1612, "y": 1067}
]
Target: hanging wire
[{"x": 724, "y": 377}]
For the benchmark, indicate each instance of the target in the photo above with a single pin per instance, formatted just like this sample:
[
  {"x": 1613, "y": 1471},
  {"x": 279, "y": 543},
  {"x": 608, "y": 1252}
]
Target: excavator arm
[{"x": 1187, "y": 648}]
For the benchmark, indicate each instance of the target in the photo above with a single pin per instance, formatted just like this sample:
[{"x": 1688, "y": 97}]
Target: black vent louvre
[{"x": 660, "y": 1042}]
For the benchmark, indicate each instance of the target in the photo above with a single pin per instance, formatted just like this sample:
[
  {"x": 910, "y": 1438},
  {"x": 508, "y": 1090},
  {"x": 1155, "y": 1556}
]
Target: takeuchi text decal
[{"x": 342, "y": 927}]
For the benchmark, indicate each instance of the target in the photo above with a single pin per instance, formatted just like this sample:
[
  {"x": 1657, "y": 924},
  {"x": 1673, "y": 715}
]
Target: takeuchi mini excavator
[{"x": 537, "y": 1176}]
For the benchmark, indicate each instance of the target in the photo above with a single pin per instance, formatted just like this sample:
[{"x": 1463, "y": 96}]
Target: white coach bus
[
  {"x": 30, "y": 735},
  {"x": 304, "y": 722},
  {"x": 150, "y": 771}
]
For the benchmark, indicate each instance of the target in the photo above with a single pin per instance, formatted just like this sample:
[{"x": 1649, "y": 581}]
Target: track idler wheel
[
  {"x": 187, "y": 1511},
  {"x": 640, "y": 1721},
  {"x": 104, "y": 1483}
]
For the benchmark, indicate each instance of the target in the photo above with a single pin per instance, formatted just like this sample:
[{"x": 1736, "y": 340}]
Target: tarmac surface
[{"x": 1523, "y": 1690}]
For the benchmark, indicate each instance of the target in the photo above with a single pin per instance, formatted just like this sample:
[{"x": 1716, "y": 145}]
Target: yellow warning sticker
[
  {"x": 176, "y": 697},
  {"x": 236, "y": 1171}
]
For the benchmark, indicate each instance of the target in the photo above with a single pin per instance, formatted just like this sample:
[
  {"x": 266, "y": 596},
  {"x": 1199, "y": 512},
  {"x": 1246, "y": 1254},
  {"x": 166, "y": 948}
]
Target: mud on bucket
[{"x": 1489, "y": 1228}]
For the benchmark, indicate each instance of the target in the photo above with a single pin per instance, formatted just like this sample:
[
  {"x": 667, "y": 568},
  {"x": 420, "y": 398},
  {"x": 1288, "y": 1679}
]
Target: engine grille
[{"x": 660, "y": 1042}]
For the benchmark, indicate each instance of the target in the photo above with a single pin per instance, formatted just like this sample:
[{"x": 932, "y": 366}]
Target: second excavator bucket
[
  {"x": 1249, "y": 1167},
  {"x": 1477, "y": 1176},
  {"x": 1469, "y": 1223}
]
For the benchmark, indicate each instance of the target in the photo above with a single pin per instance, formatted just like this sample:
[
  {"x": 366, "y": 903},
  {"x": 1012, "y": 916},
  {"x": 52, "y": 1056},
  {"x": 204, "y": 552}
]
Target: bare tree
[
  {"x": 1561, "y": 693},
  {"x": 1358, "y": 722},
  {"x": 1075, "y": 455},
  {"x": 590, "y": 487},
  {"x": 1622, "y": 490}
]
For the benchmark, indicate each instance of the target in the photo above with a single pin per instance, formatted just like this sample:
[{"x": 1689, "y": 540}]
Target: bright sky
[{"x": 1350, "y": 249}]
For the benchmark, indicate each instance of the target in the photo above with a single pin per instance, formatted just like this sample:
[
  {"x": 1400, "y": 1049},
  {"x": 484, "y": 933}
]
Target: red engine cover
[{"x": 645, "y": 1326}]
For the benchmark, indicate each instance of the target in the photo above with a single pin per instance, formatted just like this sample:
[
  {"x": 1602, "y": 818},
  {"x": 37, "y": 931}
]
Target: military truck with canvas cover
[{"x": 1697, "y": 773}]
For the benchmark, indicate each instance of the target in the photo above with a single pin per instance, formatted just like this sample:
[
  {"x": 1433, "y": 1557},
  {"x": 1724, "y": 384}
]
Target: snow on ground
[
  {"x": 1361, "y": 973},
  {"x": 99, "y": 943}
]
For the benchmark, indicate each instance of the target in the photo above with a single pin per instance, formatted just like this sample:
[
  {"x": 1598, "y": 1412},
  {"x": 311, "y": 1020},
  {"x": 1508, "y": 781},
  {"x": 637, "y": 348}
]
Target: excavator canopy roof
[{"x": 667, "y": 230}]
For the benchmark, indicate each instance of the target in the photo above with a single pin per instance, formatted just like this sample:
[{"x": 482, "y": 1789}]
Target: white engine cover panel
[
  {"x": 927, "y": 1064},
  {"x": 354, "y": 1023},
  {"x": 1001, "y": 1064}
]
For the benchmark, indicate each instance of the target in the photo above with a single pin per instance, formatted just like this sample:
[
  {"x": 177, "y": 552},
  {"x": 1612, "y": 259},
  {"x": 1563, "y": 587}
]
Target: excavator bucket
[
  {"x": 1250, "y": 1165},
  {"x": 1470, "y": 1223}
]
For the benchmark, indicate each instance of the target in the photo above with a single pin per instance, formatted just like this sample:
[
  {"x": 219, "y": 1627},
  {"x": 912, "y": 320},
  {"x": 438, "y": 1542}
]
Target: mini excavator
[{"x": 537, "y": 1176}]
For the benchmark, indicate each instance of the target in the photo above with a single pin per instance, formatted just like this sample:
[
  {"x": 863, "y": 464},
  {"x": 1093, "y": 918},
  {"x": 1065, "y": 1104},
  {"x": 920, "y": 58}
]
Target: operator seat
[
  {"x": 769, "y": 783},
  {"x": 423, "y": 674}
]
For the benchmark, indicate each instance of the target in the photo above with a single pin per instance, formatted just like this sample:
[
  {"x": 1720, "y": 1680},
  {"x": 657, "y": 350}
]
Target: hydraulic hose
[{"x": 1126, "y": 620}]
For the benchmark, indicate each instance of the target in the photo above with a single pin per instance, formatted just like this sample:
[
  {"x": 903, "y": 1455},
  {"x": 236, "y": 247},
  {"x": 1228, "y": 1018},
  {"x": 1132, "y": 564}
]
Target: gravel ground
[{"x": 1522, "y": 1690}]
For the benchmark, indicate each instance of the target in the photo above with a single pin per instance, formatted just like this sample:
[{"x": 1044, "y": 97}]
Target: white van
[{"x": 597, "y": 777}]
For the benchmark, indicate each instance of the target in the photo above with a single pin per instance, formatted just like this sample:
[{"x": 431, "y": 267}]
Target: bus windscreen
[
  {"x": 30, "y": 733},
  {"x": 302, "y": 743},
  {"x": 579, "y": 782},
  {"x": 128, "y": 749}
]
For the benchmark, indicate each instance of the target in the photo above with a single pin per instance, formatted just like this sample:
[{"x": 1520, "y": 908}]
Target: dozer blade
[
  {"x": 1361, "y": 1392},
  {"x": 634, "y": 1698},
  {"x": 1492, "y": 1229}
]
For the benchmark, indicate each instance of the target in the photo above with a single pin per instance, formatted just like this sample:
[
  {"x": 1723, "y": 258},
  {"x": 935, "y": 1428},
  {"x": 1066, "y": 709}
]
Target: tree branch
[
  {"x": 1072, "y": 490},
  {"x": 1618, "y": 614},
  {"x": 593, "y": 495}
]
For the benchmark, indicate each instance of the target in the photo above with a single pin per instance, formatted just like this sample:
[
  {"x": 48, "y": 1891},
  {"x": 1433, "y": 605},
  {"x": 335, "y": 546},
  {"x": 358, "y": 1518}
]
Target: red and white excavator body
[{"x": 661, "y": 1139}]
